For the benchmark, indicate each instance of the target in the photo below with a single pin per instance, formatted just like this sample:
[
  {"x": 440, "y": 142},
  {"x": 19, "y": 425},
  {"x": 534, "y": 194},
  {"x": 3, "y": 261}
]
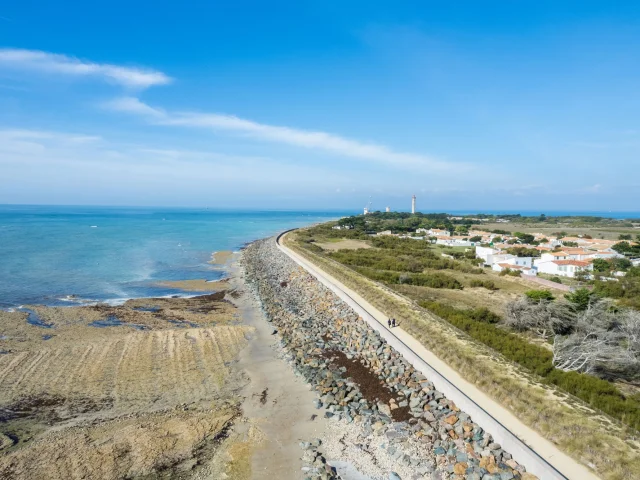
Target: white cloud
[
  {"x": 134, "y": 106},
  {"x": 45, "y": 62},
  {"x": 290, "y": 136},
  {"x": 40, "y": 166}
]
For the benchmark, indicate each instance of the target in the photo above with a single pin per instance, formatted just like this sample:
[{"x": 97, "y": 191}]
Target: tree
[
  {"x": 524, "y": 237},
  {"x": 601, "y": 265},
  {"x": 542, "y": 317},
  {"x": 580, "y": 299},
  {"x": 622, "y": 247},
  {"x": 620, "y": 264},
  {"x": 570, "y": 244},
  {"x": 523, "y": 252},
  {"x": 602, "y": 340},
  {"x": 476, "y": 238},
  {"x": 624, "y": 236},
  {"x": 497, "y": 240}
]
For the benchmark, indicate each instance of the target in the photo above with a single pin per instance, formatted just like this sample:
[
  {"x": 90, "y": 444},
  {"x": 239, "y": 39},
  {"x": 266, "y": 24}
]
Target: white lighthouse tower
[{"x": 413, "y": 204}]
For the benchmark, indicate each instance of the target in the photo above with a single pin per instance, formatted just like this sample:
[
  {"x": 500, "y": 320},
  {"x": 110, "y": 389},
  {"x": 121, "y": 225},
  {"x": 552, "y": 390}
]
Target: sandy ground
[
  {"x": 180, "y": 388},
  {"x": 221, "y": 257},
  {"x": 277, "y": 401}
]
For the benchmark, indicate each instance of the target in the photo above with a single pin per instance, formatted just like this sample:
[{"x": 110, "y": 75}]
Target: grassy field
[
  {"x": 607, "y": 232},
  {"x": 582, "y": 432}
]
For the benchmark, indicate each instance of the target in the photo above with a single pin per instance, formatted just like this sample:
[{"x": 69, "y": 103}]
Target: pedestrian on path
[
  {"x": 389, "y": 322},
  {"x": 393, "y": 322}
]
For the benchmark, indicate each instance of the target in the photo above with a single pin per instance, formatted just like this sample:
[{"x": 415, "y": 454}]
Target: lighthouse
[{"x": 413, "y": 204}]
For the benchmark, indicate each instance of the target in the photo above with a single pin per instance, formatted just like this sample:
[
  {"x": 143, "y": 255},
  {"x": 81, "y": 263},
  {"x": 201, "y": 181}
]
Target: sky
[{"x": 500, "y": 105}]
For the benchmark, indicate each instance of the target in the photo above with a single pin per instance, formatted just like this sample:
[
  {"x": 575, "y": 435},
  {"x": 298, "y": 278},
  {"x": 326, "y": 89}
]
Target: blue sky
[{"x": 469, "y": 105}]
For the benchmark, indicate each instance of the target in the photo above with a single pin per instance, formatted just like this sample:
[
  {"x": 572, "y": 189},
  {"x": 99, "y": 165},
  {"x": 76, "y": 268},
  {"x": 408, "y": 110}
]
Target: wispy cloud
[
  {"x": 45, "y": 62},
  {"x": 317, "y": 140}
]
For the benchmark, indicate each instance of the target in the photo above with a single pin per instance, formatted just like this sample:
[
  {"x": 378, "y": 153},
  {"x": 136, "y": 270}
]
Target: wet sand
[
  {"x": 197, "y": 285},
  {"x": 221, "y": 257}
]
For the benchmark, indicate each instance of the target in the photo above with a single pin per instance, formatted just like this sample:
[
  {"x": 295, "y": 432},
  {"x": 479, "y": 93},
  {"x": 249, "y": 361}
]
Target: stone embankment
[{"x": 388, "y": 419}]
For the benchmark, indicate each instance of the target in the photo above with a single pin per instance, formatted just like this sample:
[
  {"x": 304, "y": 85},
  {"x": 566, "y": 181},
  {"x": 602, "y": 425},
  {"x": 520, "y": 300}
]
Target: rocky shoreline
[{"x": 386, "y": 420}]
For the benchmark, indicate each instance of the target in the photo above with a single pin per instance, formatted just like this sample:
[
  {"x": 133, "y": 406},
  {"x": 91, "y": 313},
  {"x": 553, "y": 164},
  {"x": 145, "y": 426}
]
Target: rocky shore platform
[{"x": 385, "y": 419}]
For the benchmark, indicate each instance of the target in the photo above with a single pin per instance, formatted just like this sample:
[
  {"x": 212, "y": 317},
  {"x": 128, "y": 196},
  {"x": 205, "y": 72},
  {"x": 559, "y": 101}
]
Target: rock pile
[
  {"x": 361, "y": 380},
  {"x": 316, "y": 465}
]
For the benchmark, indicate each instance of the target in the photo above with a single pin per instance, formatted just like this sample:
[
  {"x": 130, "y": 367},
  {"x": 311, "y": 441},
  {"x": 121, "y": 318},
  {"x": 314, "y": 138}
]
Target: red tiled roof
[{"x": 577, "y": 263}]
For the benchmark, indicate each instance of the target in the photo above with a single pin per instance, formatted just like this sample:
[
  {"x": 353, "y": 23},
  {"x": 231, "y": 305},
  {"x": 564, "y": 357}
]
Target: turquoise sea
[{"x": 57, "y": 255}]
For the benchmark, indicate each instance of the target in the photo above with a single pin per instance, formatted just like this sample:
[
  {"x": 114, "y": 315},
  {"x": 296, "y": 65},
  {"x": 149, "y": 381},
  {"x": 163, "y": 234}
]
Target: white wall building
[
  {"x": 499, "y": 267},
  {"x": 436, "y": 232},
  {"x": 562, "y": 268}
]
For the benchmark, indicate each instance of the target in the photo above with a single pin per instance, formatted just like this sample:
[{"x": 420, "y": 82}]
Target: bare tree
[
  {"x": 630, "y": 330},
  {"x": 544, "y": 318},
  {"x": 599, "y": 342}
]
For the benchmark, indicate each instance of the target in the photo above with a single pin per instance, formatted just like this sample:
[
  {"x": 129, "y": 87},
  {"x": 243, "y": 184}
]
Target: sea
[
  {"x": 69, "y": 255},
  {"x": 66, "y": 256}
]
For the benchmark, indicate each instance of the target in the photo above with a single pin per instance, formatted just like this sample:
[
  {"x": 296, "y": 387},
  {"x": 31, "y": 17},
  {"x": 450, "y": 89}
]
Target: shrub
[
  {"x": 510, "y": 272},
  {"x": 556, "y": 279},
  {"x": 539, "y": 295},
  {"x": 488, "y": 284}
]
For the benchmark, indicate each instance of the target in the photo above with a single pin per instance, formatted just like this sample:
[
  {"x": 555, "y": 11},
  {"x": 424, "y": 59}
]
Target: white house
[
  {"x": 453, "y": 242},
  {"x": 521, "y": 261},
  {"x": 551, "y": 256},
  {"x": 492, "y": 256},
  {"x": 436, "y": 232},
  {"x": 562, "y": 268},
  {"x": 499, "y": 267},
  {"x": 485, "y": 253}
]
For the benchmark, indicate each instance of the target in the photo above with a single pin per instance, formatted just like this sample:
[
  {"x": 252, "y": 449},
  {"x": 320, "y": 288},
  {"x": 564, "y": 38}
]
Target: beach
[
  {"x": 173, "y": 387},
  {"x": 269, "y": 375}
]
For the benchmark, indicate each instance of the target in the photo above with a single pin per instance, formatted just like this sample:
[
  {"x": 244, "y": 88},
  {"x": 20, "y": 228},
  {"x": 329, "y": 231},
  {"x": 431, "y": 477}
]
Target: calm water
[{"x": 48, "y": 254}]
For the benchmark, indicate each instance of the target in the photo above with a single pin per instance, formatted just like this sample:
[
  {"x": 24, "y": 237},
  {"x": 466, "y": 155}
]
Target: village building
[{"x": 563, "y": 268}]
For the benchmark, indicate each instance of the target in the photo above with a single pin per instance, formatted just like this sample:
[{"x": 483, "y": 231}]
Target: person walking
[
  {"x": 393, "y": 322},
  {"x": 389, "y": 322}
]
